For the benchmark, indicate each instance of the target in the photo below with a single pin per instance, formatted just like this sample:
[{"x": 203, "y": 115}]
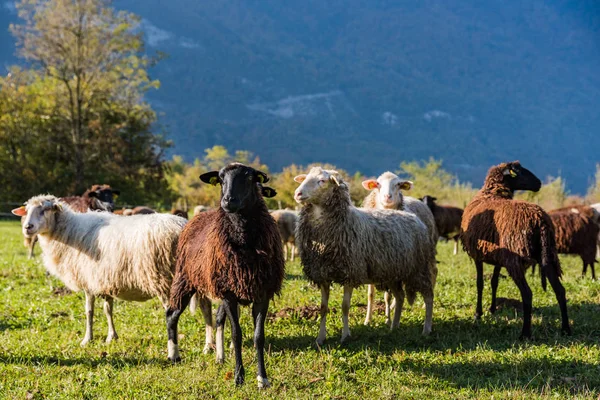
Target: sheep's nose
[
  {"x": 388, "y": 196},
  {"x": 28, "y": 226},
  {"x": 298, "y": 194}
]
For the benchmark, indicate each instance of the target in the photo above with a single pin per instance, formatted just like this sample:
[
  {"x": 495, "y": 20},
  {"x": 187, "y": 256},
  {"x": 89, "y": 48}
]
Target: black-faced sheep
[
  {"x": 447, "y": 220},
  {"x": 386, "y": 194},
  {"x": 576, "y": 232},
  {"x": 286, "y": 222},
  {"x": 234, "y": 254},
  {"x": 515, "y": 234},
  {"x": 340, "y": 243},
  {"x": 103, "y": 254}
]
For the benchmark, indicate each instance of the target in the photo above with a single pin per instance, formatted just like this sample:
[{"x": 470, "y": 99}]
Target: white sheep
[
  {"x": 355, "y": 246},
  {"x": 386, "y": 194},
  {"x": 286, "y": 222},
  {"x": 105, "y": 255}
]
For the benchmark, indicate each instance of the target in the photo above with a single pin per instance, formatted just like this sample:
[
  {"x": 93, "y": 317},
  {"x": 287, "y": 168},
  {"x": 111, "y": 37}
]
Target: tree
[{"x": 94, "y": 55}]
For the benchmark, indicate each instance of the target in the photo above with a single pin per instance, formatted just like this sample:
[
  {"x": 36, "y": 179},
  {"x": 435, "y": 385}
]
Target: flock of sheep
[{"x": 234, "y": 254}]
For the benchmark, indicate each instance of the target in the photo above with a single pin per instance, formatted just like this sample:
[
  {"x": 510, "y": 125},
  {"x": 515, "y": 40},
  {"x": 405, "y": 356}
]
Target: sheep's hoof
[
  {"x": 367, "y": 322},
  {"x": 263, "y": 383},
  {"x": 85, "y": 341},
  {"x": 427, "y": 331},
  {"x": 492, "y": 310},
  {"x": 345, "y": 338},
  {"x": 477, "y": 317},
  {"x": 208, "y": 347},
  {"x": 175, "y": 360},
  {"x": 566, "y": 330},
  {"x": 110, "y": 338},
  {"x": 525, "y": 337},
  {"x": 320, "y": 342},
  {"x": 239, "y": 379},
  {"x": 220, "y": 360}
]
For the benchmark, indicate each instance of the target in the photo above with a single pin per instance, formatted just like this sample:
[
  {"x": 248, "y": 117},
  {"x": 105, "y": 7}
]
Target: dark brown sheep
[
  {"x": 233, "y": 253},
  {"x": 180, "y": 213},
  {"x": 447, "y": 220},
  {"x": 576, "y": 232},
  {"x": 513, "y": 234}
]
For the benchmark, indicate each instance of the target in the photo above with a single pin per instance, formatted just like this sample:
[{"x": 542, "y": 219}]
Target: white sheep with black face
[
  {"x": 105, "y": 255},
  {"x": 386, "y": 194},
  {"x": 340, "y": 243}
]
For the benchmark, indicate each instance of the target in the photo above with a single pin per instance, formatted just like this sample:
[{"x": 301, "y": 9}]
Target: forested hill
[{"x": 365, "y": 84}]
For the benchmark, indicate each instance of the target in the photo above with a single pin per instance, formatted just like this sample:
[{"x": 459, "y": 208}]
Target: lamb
[
  {"x": 498, "y": 230},
  {"x": 340, "y": 243},
  {"x": 386, "y": 193},
  {"x": 447, "y": 220},
  {"x": 96, "y": 198},
  {"x": 233, "y": 254},
  {"x": 103, "y": 254},
  {"x": 286, "y": 222},
  {"x": 576, "y": 232}
]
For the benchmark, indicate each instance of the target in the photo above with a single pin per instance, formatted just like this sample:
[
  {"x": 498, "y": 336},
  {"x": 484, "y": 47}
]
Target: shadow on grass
[
  {"x": 91, "y": 361},
  {"x": 8, "y": 324}
]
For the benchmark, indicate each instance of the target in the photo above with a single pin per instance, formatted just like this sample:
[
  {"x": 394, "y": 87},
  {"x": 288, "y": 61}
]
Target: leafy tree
[
  {"x": 83, "y": 102},
  {"x": 593, "y": 193}
]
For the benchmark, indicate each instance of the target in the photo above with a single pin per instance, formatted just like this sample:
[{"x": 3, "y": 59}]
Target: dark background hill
[{"x": 366, "y": 84}]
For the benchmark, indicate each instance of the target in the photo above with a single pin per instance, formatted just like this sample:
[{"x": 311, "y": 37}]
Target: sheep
[
  {"x": 340, "y": 243},
  {"x": 180, "y": 213},
  {"x": 447, "y": 220},
  {"x": 96, "y": 198},
  {"x": 386, "y": 193},
  {"x": 104, "y": 254},
  {"x": 234, "y": 254},
  {"x": 576, "y": 232},
  {"x": 286, "y": 222},
  {"x": 139, "y": 210},
  {"x": 200, "y": 209},
  {"x": 498, "y": 230}
]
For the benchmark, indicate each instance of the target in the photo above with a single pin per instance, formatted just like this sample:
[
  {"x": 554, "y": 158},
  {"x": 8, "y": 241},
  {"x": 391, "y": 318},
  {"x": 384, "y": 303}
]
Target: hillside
[{"x": 367, "y": 84}]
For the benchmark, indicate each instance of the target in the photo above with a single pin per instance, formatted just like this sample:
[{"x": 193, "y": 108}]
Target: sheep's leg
[
  {"x": 345, "y": 310},
  {"x": 455, "y": 252},
  {"x": 559, "y": 291},
  {"x": 220, "y": 336},
  {"x": 108, "y": 310},
  {"x": 593, "y": 270},
  {"x": 479, "y": 307},
  {"x": 206, "y": 307},
  {"x": 584, "y": 271},
  {"x": 181, "y": 295},
  {"x": 230, "y": 305},
  {"x": 370, "y": 296},
  {"x": 388, "y": 308},
  {"x": 293, "y": 247},
  {"x": 398, "y": 293},
  {"x": 89, "y": 318},
  {"x": 324, "y": 310},
  {"x": 259, "y": 314},
  {"x": 518, "y": 276},
  {"x": 285, "y": 251},
  {"x": 428, "y": 299},
  {"x": 495, "y": 278}
]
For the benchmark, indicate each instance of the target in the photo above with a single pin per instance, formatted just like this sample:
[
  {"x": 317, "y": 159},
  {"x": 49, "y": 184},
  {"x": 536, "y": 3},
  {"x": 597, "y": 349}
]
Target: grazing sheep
[
  {"x": 200, "y": 209},
  {"x": 103, "y": 254},
  {"x": 515, "y": 234},
  {"x": 286, "y": 222},
  {"x": 96, "y": 198},
  {"x": 181, "y": 213},
  {"x": 576, "y": 232},
  {"x": 354, "y": 246},
  {"x": 234, "y": 254},
  {"x": 386, "y": 193},
  {"x": 447, "y": 220}
]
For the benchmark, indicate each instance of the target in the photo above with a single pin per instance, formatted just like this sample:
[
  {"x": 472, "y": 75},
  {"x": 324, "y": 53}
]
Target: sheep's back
[
  {"x": 575, "y": 233},
  {"x": 421, "y": 210},
  {"x": 448, "y": 220}
]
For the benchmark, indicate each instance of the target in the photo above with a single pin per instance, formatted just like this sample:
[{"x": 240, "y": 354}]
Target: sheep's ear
[
  {"x": 509, "y": 171},
  {"x": 21, "y": 211},
  {"x": 262, "y": 177},
  {"x": 300, "y": 178},
  {"x": 211, "y": 177},
  {"x": 406, "y": 185},
  {"x": 335, "y": 179},
  {"x": 370, "y": 184},
  {"x": 57, "y": 207},
  {"x": 93, "y": 194},
  {"x": 434, "y": 198},
  {"x": 268, "y": 192}
]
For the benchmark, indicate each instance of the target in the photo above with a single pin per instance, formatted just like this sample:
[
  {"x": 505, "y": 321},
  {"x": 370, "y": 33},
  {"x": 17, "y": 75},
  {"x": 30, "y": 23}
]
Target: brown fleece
[{"x": 576, "y": 232}]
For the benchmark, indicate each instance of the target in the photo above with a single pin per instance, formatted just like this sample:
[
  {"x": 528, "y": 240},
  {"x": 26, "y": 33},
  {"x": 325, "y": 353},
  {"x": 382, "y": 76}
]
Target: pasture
[{"x": 41, "y": 326}]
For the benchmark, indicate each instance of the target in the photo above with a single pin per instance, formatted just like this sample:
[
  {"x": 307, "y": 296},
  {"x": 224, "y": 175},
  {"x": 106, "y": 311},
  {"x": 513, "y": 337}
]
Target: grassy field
[{"x": 41, "y": 327}]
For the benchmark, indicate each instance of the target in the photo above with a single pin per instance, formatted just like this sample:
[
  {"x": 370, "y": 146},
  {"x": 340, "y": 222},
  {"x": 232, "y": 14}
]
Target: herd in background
[{"x": 235, "y": 253}]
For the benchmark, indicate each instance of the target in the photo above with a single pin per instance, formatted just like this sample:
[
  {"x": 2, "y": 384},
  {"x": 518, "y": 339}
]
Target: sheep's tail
[
  {"x": 549, "y": 256},
  {"x": 194, "y": 303}
]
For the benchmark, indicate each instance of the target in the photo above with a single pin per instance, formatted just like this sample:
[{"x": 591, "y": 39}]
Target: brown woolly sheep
[
  {"x": 576, "y": 232},
  {"x": 180, "y": 213},
  {"x": 286, "y": 222},
  {"x": 515, "y": 234},
  {"x": 233, "y": 253},
  {"x": 447, "y": 220}
]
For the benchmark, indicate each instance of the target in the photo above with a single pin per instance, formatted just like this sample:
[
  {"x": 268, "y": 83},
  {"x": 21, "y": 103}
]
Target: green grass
[{"x": 40, "y": 331}]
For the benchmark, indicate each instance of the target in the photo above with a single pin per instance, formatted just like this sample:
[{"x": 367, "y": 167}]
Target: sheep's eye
[{"x": 322, "y": 181}]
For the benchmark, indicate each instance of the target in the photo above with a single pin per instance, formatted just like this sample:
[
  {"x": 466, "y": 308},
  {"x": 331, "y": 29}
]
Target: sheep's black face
[
  {"x": 429, "y": 201},
  {"x": 518, "y": 178},
  {"x": 106, "y": 195},
  {"x": 241, "y": 186}
]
